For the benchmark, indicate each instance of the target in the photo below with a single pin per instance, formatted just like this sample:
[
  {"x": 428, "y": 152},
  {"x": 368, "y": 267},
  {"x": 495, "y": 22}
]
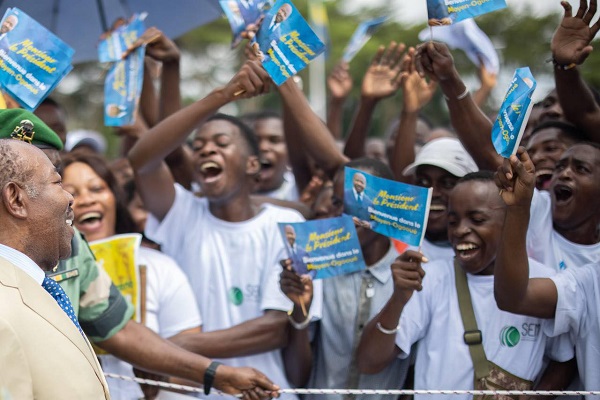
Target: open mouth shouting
[
  {"x": 542, "y": 178},
  {"x": 563, "y": 194},
  {"x": 265, "y": 164},
  {"x": 210, "y": 171}
]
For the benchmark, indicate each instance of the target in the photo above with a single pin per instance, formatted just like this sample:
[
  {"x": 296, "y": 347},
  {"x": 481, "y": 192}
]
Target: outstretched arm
[
  {"x": 376, "y": 348},
  {"x": 570, "y": 47},
  {"x": 140, "y": 346},
  {"x": 379, "y": 82},
  {"x": 339, "y": 83},
  {"x": 265, "y": 333},
  {"x": 148, "y": 155},
  {"x": 472, "y": 126},
  {"x": 310, "y": 130},
  {"x": 417, "y": 93},
  {"x": 488, "y": 83},
  {"x": 513, "y": 289}
]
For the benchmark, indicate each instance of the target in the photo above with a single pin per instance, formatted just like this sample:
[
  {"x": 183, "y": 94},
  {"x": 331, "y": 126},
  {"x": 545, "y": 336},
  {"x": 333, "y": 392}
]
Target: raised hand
[
  {"x": 516, "y": 179},
  {"x": 408, "y": 274},
  {"x": 339, "y": 81},
  {"x": 251, "y": 80},
  {"x": 252, "y": 384},
  {"x": 417, "y": 92},
  {"x": 571, "y": 41},
  {"x": 158, "y": 46},
  {"x": 488, "y": 79},
  {"x": 380, "y": 79},
  {"x": 435, "y": 60}
]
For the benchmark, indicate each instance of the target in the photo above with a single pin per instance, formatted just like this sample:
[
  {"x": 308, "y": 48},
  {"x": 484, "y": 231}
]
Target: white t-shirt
[
  {"x": 233, "y": 267},
  {"x": 170, "y": 309},
  {"x": 432, "y": 318},
  {"x": 578, "y": 312},
  {"x": 547, "y": 246}
]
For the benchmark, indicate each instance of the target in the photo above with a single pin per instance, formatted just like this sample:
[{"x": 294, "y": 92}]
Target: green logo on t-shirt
[
  {"x": 236, "y": 296},
  {"x": 510, "y": 336}
]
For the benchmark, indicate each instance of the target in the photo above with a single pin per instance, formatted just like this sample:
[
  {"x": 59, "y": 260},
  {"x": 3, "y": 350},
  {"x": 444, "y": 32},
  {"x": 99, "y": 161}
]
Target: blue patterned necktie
[{"x": 61, "y": 298}]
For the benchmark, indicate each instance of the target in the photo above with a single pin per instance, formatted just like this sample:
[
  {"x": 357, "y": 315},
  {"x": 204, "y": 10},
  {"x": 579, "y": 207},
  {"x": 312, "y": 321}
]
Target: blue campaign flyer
[
  {"x": 122, "y": 89},
  {"x": 241, "y": 13},
  {"x": 111, "y": 48},
  {"x": 285, "y": 43},
  {"x": 32, "y": 59},
  {"x": 361, "y": 36},
  {"x": 446, "y": 12},
  {"x": 323, "y": 248},
  {"x": 514, "y": 113},
  {"x": 394, "y": 209}
]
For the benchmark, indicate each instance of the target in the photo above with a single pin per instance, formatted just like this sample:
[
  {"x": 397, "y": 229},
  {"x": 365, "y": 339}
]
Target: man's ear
[
  {"x": 15, "y": 199},
  {"x": 252, "y": 165}
]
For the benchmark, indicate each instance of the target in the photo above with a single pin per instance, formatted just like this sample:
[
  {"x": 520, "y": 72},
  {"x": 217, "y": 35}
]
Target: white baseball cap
[
  {"x": 84, "y": 137},
  {"x": 445, "y": 153}
]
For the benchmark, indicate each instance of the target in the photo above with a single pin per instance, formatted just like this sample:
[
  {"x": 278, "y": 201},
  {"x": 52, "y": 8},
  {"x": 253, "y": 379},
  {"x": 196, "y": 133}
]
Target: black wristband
[{"x": 209, "y": 376}]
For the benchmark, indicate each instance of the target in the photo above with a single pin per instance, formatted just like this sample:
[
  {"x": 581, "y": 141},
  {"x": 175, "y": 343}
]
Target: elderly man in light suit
[{"x": 43, "y": 352}]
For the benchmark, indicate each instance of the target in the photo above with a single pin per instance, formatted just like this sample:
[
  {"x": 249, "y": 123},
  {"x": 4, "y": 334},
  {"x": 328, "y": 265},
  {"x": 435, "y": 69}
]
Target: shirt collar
[
  {"x": 23, "y": 262},
  {"x": 381, "y": 269}
]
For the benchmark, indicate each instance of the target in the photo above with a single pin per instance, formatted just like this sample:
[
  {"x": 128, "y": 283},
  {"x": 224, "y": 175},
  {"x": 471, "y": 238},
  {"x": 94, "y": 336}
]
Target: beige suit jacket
[{"x": 43, "y": 356}]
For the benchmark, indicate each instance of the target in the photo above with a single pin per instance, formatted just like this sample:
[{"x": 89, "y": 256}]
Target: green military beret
[{"x": 23, "y": 125}]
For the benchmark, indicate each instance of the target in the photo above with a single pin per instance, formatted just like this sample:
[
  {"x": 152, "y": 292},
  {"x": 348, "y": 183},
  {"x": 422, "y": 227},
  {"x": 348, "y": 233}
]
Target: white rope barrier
[{"x": 371, "y": 391}]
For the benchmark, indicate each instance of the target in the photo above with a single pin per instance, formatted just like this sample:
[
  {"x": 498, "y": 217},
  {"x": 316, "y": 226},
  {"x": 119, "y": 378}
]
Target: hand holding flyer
[
  {"x": 115, "y": 45},
  {"x": 394, "y": 209},
  {"x": 32, "y": 59},
  {"x": 280, "y": 37},
  {"x": 285, "y": 43},
  {"x": 323, "y": 248},
  {"x": 243, "y": 13},
  {"x": 514, "y": 113}
]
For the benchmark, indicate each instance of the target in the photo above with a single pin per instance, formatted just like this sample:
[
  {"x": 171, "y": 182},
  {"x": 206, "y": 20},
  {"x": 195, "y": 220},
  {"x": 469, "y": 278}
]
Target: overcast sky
[{"x": 416, "y": 11}]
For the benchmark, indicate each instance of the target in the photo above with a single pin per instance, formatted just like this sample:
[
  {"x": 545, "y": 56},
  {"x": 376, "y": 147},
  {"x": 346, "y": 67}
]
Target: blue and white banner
[
  {"x": 446, "y": 12},
  {"x": 285, "y": 43},
  {"x": 394, "y": 209},
  {"x": 241, "y": 13},
  {"x": 514, "y": 113},
  {"x": 112, "y": 48},
  {"x": 122, "y": 89},
  {"x": 32, "y": 59},
  {"x": 323, "y": 248}
]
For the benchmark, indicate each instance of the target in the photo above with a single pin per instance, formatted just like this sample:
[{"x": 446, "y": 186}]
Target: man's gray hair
[{"x": 14, "y": 168}]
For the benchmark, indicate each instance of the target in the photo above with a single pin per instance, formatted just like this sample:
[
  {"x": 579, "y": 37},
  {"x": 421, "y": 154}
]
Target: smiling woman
[{"x": 101, "y": 212}]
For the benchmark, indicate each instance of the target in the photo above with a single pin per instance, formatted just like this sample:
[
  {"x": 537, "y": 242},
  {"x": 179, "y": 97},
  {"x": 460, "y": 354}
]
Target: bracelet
[
  {"x": 387, "y": 331},
  {"x": 563, "y": 67},
  {"x": 460, "y": 96},
  {"x": 298, "y": 325},
  {"x": 209, "y": 376}
]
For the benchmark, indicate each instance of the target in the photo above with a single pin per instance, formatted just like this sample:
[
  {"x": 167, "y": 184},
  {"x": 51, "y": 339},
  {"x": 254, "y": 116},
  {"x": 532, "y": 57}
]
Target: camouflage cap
[{"x": 23, "y": 125}]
